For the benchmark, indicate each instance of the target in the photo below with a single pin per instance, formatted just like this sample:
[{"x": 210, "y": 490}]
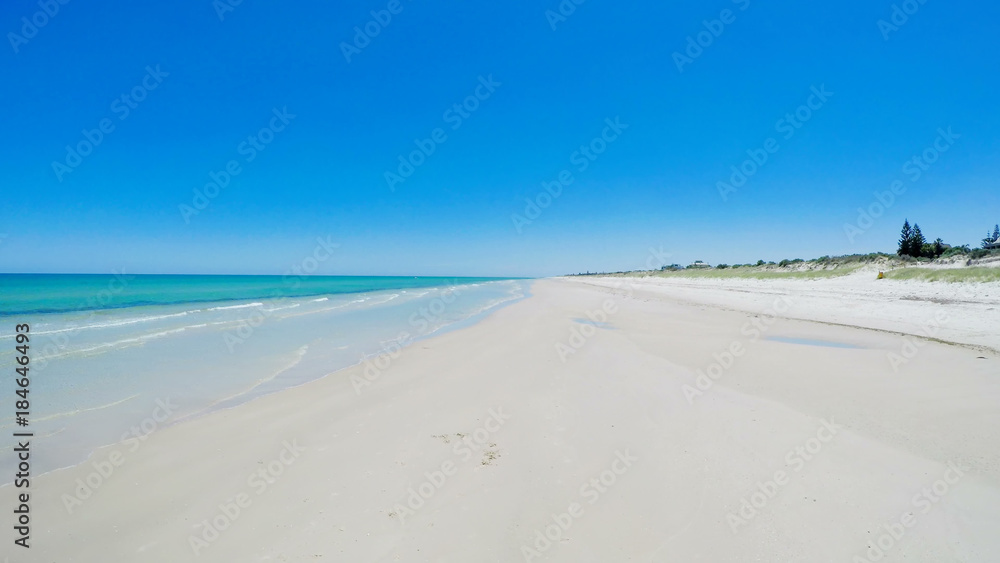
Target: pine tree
[
  {"x": 904, "y": 239},
  {"x": 990, "y": 239},
  {"x": 938, "y": 247},
  {"x": 917, "y": 241}
]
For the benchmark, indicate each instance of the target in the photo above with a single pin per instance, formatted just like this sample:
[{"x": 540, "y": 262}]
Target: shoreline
[{"x": 251, "y": 397}]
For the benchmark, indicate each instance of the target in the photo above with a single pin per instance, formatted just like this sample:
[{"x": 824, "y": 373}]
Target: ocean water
[{"x": 110, "y": 353}]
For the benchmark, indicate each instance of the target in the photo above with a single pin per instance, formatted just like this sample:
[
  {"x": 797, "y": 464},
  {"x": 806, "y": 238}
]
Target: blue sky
[{"x": 208, "y": 83}]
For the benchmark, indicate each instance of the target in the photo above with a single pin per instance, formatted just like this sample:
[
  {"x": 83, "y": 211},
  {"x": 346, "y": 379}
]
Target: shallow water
[
  {"x": 597, "y": 324},
  {"x": 97, "y": 376},
  {"x": 811, "y": 342}
]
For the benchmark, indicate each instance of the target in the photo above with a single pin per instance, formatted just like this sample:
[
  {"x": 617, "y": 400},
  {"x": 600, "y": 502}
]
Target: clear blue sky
[{"x": 323, "y": 174}]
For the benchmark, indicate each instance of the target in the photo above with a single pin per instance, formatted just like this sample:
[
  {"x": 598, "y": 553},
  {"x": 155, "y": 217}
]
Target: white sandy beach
[{"x": 611, "y": 437}]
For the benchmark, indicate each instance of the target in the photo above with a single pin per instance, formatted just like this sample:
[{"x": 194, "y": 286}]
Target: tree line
[{"x": 913, "y": 243}]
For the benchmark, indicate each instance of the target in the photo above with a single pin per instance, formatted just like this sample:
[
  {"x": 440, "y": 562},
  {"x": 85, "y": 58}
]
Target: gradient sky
[{"x": 323, "y": 175}]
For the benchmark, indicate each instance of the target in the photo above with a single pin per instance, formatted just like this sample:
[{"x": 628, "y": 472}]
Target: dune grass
[
  {"x": 747, "y": 273},
  {"x": 971, "y": 274},
  {"x": 828, "y": 267}
]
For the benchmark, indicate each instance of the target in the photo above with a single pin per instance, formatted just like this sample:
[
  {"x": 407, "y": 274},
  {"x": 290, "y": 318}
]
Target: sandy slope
[
  {"x": 966, "y": 313},
  {"x": 544, "y": 426}
]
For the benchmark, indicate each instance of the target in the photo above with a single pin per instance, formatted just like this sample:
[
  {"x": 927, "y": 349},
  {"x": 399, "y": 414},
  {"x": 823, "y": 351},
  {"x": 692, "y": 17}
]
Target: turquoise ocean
[{"x": 111, "y": 353}]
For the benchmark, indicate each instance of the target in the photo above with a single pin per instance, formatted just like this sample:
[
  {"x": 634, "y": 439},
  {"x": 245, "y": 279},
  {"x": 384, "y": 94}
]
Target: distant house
[
  {"x": 699, "y": 264},
  {"x": 994, "y": 244}
]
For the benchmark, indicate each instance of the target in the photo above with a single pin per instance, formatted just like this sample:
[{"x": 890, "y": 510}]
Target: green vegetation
[
  {"x": 855, "y": 259},
  {"x": 912, "y": 243},
  {"x": 972, "y": 274},
  {"x": 972, "y": 253},
  {"x": 913, "y": 250},
  {"x": 983, "y": 253},
  {"x": 990, "y": 239},
  {"x": 747, "y": 272},
  {"x": 956, "y": 251}
]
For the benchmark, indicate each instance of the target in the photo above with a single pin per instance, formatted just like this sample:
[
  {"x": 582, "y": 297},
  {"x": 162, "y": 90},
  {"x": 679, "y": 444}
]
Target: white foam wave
[
  {"x": 112, "y": 324},
  {"x": 80, "y": 411},
  {"x": 124, "y": 343},
  {"x": 281, "y": 308},
  {"x": 227, "y": 307},
  {"x": 299, "y": 354},
  {"x": 390, "y": 298}
]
